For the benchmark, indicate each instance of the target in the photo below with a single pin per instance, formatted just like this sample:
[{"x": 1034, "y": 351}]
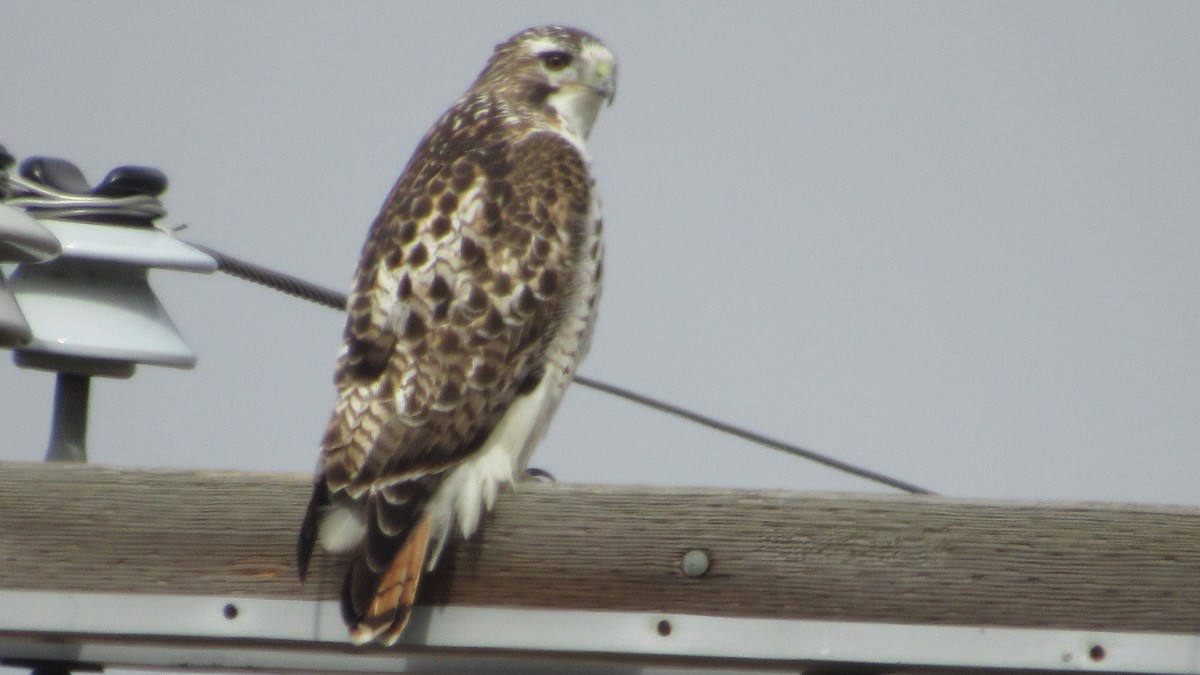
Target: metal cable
[
  {"x": 43, "y": 201},
  {"x": 336, "y": 300},
  {"x": 751, "y": 436},
  {"x": 279, "y": 281}
]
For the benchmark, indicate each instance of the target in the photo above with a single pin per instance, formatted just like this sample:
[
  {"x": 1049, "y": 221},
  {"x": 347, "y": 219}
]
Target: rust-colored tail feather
[{"x": 387, "y": 615}]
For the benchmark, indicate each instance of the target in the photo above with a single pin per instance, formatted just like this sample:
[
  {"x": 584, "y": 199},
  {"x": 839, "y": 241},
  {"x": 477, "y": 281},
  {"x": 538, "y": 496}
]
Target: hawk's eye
[{"x": 556, "y": 60}]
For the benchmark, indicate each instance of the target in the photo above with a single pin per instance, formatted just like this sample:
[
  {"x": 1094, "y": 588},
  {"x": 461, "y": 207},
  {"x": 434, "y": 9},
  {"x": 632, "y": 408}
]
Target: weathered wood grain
[{"x": 924, "y": 560}]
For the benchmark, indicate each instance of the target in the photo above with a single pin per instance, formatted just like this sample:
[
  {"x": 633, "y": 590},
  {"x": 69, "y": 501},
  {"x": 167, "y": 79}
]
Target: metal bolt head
[{"x": 694, "y": 564}]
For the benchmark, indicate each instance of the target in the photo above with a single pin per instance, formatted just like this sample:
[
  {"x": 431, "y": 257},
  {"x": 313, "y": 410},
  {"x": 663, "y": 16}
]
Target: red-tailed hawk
[{"x": 473, "y": 303}]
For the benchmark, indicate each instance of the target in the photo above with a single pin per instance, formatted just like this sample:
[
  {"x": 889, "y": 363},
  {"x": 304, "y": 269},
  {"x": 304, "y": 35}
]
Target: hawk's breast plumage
[{"x": 473, "y": 303}]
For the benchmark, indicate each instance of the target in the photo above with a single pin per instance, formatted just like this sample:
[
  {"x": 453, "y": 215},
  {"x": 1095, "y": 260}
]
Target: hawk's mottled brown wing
[{"x": 462, "y": 282}]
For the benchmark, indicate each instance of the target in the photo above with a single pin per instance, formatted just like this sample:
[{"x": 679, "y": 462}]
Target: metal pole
[
  {"x": 68, "y": 443},
  {"x": 68, "y": 433}
]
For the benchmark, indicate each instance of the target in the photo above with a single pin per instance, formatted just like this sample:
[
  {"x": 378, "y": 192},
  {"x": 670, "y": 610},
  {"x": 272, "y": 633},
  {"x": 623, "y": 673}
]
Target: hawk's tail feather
[{"x": 380, "y": 610}]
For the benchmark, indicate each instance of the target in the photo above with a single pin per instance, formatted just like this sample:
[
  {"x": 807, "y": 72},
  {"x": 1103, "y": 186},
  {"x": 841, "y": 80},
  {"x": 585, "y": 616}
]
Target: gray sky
[{"x": 954, "y": 242}]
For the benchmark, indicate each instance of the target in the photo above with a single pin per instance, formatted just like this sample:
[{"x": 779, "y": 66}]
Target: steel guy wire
[{"x": 328, "y": 297}]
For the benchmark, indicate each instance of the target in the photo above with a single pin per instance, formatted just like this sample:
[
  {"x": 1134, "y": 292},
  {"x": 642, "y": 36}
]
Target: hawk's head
[{"x": 553, "y": 67}]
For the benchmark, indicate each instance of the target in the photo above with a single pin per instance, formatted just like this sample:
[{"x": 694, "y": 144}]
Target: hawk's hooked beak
[
  {"x": 607, "y": 89},
  {"x": 605, "y": 81}
]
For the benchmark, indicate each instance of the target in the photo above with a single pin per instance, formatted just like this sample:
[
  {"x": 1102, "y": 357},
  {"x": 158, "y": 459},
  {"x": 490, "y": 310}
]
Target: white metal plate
[{"x": 287, "y": 635}]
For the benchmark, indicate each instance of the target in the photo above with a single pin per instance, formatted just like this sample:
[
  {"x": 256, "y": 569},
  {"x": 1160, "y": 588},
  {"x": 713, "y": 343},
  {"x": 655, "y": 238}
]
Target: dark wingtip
[
  {"x": 307, "y": 540},
  {"x": 357, "y": 586}
]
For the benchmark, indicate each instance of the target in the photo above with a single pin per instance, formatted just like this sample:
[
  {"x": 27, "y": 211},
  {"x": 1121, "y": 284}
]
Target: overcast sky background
[{"x": 958, "y": 243}]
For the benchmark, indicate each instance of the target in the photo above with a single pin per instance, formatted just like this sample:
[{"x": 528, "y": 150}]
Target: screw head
[{"x": 694, "y": 564}]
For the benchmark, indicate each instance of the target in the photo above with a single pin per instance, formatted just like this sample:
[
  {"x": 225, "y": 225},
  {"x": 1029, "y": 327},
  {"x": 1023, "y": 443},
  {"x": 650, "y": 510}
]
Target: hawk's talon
[{"x": 539, "y": 475}]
